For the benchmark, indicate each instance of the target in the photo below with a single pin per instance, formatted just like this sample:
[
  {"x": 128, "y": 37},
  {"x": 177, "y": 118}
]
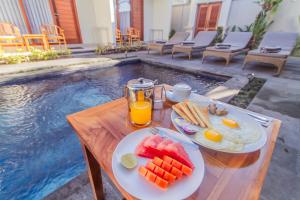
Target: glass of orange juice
[
  {"x": 141, "y": 110},
  {"x": 139, "y": 94}
]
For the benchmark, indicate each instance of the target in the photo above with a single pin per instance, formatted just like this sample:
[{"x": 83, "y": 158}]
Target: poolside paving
[{"x": 278, "y": 98}]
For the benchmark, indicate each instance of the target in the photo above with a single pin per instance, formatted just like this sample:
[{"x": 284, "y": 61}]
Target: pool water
[{"x": 38, "y": 150}]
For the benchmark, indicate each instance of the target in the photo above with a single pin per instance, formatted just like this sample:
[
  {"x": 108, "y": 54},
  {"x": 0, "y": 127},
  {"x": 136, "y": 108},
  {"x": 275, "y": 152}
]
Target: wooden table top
[{"x": 227, "y": 176}]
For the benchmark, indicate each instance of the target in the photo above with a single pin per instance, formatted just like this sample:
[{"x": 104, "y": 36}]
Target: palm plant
[{"x": 263, "y": 20}]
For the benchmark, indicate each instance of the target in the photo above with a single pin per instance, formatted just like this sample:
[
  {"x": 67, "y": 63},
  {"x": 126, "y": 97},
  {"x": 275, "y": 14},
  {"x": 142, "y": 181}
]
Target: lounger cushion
[
  {"x": 230, "y": 50},
  {"x": 7, "y": 37},
  {"x": 281, "y": 54},
  {"x": 204, "y": 38},
  {"x": 238, "y": 39},
  {"x": 178, "y": 37},
  {"x": 285, "y": 40}
]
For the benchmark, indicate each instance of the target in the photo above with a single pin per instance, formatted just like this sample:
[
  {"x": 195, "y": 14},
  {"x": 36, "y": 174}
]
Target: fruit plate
[
  {"x": 248, "y": 125},
  {"x": 138, "y": 186}
]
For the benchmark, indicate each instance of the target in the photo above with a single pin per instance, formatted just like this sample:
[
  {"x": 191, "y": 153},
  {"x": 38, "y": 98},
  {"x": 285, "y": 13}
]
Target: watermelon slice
[
  {"x": 151, "y": 144},
  {"x": 155, "y": 145},
  {"x": 142, "y": 151},
  {"x": 177, "y": 152}
]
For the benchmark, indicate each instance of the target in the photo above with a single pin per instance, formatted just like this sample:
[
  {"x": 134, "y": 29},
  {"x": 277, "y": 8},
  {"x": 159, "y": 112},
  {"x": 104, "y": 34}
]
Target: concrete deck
[{"x": 278, "y": 98}]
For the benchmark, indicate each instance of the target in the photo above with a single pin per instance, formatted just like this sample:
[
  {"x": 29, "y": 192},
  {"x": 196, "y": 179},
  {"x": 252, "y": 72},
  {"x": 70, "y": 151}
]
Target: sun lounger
[
  {"x": 234, "y": 44},
  {"x": 274, "y": 48},
  {"x": 202, "y": 40},
  {"x": 162, "y": 46}
]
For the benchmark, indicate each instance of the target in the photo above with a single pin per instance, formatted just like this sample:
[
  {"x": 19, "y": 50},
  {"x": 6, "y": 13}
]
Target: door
[
  {"x": 65, "y": 15},
  {"x": 207, "y": 17}
]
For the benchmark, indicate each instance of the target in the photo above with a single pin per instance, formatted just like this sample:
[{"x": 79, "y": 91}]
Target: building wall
[
  {"x": 96, "y": 21},
  {"x": 10, "y": 12},
  {"x": 38, "y": 13},
  {"x": 287, "y": 17},
  {"x": 243, "y": 12},
  {"x": 137, "y": 14},
  {"x": 157, "y": 15},
  {"x": 180, "y": 16},
  {"x": 148, "y": 19}
]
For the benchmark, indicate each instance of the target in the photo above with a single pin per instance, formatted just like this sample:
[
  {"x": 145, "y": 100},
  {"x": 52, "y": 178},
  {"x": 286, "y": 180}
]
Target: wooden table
[
  {"x": 42, "y": 37},
  {"x": 227, "y": 176}
]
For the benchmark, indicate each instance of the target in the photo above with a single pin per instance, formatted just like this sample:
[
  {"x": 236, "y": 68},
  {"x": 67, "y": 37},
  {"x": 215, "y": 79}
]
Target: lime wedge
[{"x": 129, "y": 160}]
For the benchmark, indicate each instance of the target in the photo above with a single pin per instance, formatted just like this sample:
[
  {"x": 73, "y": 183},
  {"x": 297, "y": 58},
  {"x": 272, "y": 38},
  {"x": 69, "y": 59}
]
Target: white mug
[{"x": 181, "y": 91}]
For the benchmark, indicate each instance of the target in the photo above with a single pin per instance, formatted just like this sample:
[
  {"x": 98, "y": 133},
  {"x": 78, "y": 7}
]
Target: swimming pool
[{"x": 38, "y": 150}]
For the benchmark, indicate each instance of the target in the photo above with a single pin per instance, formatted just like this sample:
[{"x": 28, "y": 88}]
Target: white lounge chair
[
  {"x": 274, "y": 48},
  {"x": 162, "y": 46},
  {"x": 235, "y": 43},
  {"x": 202, "y": 40}
]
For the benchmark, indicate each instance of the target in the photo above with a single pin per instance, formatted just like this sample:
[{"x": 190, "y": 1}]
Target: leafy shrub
[
  {"x": 34, "y": 55},
  {"x": 108, "y": 49},
  {"x": 172, "y": 32}
]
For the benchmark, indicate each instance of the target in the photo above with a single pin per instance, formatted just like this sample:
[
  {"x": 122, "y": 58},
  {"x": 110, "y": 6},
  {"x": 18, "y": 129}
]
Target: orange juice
[{"x": 140, "y": 110}]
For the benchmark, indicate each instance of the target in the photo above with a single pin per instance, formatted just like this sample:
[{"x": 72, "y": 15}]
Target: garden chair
[
  {"x": 274, "y": 49},
  {"x": 133, "y": 35},
  {"x": 235, "y": 42},
  {"x": 162, "y": 46},
  {"x": 202, "y": 40},
  {"x": 10, "y": 35},
  {"x": 119, "y": 37},
  {"x": 54, "y": 34}
]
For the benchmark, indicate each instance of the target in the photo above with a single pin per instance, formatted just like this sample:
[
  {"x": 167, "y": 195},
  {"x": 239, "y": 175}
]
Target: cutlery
[
  {"x": 157, "y": 131},
  {"x": 259, "y": 117}
]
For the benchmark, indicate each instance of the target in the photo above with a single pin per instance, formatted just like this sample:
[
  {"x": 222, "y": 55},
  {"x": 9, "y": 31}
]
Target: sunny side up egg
[{"x": 224, "y": 144}]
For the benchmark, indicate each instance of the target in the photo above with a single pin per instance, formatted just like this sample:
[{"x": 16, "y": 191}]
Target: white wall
[
  {"x": 286, "y": 19},
  {"x": 157, "y": 15},
  {"x": 148, "y": 19},
  {"x": 96, "y": 21},
  {"x": 180, "y": 17},
  {"x": 242, "y": 12}
]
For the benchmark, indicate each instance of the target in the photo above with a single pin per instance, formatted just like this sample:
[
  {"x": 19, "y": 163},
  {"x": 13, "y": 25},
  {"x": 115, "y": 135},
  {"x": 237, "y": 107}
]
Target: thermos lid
[{"x": 140, "y": 83}]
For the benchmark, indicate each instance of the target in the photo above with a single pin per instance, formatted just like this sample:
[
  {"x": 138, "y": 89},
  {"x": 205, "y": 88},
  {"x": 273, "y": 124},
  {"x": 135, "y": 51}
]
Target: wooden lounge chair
[
  {"x": 10, "y": 35},
  {"x": 237, "y": 44},
  {"x": 162, "y": 46},
  {"x": 133, "y": 35},
  {"x": 202, "y": 40},
  {"x": 285, "y": 42},
  {"x": 119, "y": 37},
  {"x": 55, "y": 34}
]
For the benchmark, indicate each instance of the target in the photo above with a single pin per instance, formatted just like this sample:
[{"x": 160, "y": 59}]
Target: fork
[{"x": 157, "y": 131}]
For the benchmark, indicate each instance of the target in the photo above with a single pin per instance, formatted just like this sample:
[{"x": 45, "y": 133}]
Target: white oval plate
[
  {"x": 137, "y": 186},
  {"x": 232, "y": 114}
]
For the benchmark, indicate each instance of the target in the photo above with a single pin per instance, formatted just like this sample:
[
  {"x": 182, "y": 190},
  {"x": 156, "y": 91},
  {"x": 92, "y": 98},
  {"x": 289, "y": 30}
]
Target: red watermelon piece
[
  {"x": 177, "y": 152},
  {"x": 155, "y": 145},
  {"x": 141, "y": 150},
  {"x": 152, "y": 143}
]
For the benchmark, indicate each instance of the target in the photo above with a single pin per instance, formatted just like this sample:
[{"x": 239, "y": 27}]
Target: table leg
[
  {"x": 94, "y": 172},
  {"x": 27, "y": 43},
  {"x": 45, "y": 43}
]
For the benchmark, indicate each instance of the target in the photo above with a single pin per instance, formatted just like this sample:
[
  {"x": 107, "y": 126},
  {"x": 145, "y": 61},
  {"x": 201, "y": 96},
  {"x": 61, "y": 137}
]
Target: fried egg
[
  {"x": 223, "y": 144},
  {"x": 234, "y": 138}
]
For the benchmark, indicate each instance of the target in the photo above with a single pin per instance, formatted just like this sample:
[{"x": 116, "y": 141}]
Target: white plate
[
  {"x": 137, "y": 186},
  {"x": 232, "y": 114}
]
